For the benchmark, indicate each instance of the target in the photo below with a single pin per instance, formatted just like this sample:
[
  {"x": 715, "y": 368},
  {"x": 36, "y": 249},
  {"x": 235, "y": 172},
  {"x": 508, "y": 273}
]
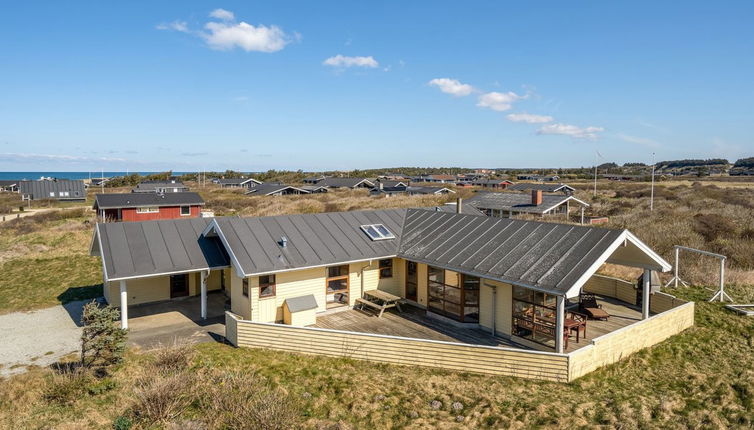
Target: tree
[{"x": 102, "y": 342}]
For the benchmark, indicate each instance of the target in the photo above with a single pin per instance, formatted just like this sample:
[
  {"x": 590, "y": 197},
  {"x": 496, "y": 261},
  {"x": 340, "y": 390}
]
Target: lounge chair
[{"x": 589, "y": 306}]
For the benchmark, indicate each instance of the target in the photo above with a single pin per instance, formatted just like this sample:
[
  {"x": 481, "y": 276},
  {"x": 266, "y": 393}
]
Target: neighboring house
[
  {"x": 266, "y": 189},
  {"x": 97, "y": 182},
  {"x": 507, "y": 205},
  {"x": 147, "y": 206},
  {"x": 545, "y": 188},
  {"x": 9, "y": 186},
  {"x": 346, "y": 183},
  {"x": 237, "y": 182},
  {"x": 411, "y": 191},
  {"x": 624, "y": 177},
  {"x": 498, "y": 184},
  {"x": 452, "y": 207},
  {"x": 170, "y": 186},
  {"x": 387, "y": 183},
  {"x": 55, "y": 189},
  {"x": 503, "y": 280},
  {"x": 314, "y": 189},
  {"x": 313, "y": 179},
  {"x": 443, "y": 179}
]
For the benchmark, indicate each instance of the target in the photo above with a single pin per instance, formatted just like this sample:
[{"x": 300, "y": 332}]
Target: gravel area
[{"x": 39, "y": 337}]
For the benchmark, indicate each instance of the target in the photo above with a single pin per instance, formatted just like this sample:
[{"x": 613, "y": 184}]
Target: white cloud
[
  {"x": 499, "y": 101},
  {"x": 181, "y": 26},
  {"x": 21, "y": 157},
  {"x": 571, "y": 130},
  {"x": 529, "y": 118},
  {"x": 343, "y": 61},
  {"x": 223, "y": 14},
  {"x": 451, "y": 86},
  {"x": 224, "y": 36}
]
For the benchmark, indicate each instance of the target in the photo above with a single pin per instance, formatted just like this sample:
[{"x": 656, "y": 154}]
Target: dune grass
[{"x": 701, "y": 378}]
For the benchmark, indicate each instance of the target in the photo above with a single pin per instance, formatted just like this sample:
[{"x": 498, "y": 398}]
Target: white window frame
[
  {"x": 52, "y": 193},
  {"x": 187, "y": 207},
  {"x": 148, "y": 210}
]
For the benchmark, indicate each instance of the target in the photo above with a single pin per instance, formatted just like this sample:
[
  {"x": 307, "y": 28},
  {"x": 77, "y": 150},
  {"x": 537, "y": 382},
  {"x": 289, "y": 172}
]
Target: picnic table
[{"x": 379, "y": 300}]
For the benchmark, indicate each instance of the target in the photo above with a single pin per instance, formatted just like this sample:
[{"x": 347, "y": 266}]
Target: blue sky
[{"x": 338, "y": 85}]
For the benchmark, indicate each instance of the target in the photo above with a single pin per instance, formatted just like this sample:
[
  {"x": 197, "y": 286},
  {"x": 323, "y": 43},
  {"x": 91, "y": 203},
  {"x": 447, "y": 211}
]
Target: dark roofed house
[
  {"x": 314, "y": 189},
  {"x": 267, "y": 189},
  {"x": 55, "y": 189},
  {"x": 314, "y": 179},
  {"x": 346, "y": 183},
  {"x": 237, "y": 182},
  {"x": 9, "y": 186},
  {"x": 506, "y": 205},
  {"x": 147, "y": 206},
  {"x": 545, "y": 188},
  {"x": 508, "y": 281},
  {"x": 499, "y": 184},
  {"x": 169, "y": 186}
]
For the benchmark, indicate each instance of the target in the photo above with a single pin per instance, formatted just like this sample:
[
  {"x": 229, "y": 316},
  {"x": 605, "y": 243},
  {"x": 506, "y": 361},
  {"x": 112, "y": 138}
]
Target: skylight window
[{"x": 377, "y": 232}]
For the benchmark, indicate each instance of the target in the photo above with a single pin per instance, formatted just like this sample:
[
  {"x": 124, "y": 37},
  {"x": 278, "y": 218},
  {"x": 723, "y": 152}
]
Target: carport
[{"x": 158, "y": 261}]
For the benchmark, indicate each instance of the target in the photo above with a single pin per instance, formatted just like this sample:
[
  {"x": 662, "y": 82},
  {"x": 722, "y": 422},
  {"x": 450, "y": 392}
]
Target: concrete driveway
[
  {"x": 178, "y": 320},
  {"x": 39, "y": 337}
]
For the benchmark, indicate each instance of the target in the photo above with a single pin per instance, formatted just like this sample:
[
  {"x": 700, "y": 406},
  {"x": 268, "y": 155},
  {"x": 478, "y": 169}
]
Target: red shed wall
[{"x": 166, "y": 212}]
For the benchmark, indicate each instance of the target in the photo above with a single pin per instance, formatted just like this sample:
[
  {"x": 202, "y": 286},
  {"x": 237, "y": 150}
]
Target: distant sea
[{"x": 68, "y": 175}]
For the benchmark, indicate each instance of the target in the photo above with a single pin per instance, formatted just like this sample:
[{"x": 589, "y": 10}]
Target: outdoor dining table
[{"x": 380, "y": 300}]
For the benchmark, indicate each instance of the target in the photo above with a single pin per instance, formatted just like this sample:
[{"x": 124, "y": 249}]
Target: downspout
[{"x": 494, "y": 309}]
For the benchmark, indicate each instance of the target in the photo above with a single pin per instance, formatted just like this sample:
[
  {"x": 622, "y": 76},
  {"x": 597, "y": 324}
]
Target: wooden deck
[{"x": 414, "y": 323}]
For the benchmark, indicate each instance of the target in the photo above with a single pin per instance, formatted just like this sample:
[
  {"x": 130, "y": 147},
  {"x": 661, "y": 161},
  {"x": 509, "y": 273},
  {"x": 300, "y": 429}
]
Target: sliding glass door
[{"x": 453, "y": 295}]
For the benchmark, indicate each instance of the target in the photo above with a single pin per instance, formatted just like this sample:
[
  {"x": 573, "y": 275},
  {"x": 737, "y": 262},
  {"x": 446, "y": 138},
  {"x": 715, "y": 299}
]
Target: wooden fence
[{"x": 399, "y": 350}]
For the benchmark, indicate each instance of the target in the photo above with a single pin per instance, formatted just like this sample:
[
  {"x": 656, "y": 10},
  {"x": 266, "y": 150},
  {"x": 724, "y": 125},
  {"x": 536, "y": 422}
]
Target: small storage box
[{"x": 300, "y": 311}]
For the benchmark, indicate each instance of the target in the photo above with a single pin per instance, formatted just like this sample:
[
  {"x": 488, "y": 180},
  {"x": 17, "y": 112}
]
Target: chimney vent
[
  {"x": 536, "y": 197},
  {"x": 459, "y": 205},
  {"x": 283, "y": 241}
]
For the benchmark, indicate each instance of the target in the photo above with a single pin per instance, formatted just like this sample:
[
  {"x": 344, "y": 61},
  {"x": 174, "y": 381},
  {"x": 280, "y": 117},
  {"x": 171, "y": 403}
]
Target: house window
[
  {"x": 245, "y": 287},
  {"x": 185, "y": 210},
  {"x": 147, "y": 210},
  {"x": 266, "y": 286},
  {"x": 337, "y": 286},
  {"x": 52, "y": 193},
  {"x": 386, "y": 268},
  {"x": 453, "y": 295},
  {"x": 64, "y": 194},
  {"x": 534, "y": 315}
]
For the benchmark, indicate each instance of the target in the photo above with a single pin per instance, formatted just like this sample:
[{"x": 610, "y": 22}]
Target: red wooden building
[{"x": 147, "y": 206}]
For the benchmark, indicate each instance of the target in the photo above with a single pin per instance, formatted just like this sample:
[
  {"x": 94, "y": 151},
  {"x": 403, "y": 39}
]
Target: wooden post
[
  {"x": 123, "y": 305},
  {"x": 675, "y": 269},
  {"x": 582, "y": 215},
  {"x": 645, "y": 294},
  {"x": 559, "y": 324},
  {"x": 204, "y": 274}
]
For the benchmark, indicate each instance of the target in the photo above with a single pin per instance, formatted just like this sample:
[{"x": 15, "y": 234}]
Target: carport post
[
  {"x": 647, "y": 278},
  {"x": 203, "y": 277},
  {"x": 123, "y": 304}
]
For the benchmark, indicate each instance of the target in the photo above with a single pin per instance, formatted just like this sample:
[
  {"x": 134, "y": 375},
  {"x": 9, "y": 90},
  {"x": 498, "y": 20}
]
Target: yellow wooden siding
[
  {"x": 386, "y": 349},
  {"x": 239, "y": 304},
  {"x": 422, "y": 284},
  {"x": 503, "y": 312},
  {"x": 141, "y": 290},
  {"x": 617, "y": 345}
]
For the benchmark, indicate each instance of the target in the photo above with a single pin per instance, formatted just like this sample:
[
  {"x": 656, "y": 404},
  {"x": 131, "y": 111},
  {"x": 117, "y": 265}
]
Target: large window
[
  {"x": 337, "y": 286},
  {"x": 266, "y": 286},
  {"x": 245, "y": 287},
  {"x": 534, "y": 315},
  {"x": 185, "y": 210},
  {"x": 453, "y": 295},
  {"x": 147, "y": 210},
  {"x": 386, "y": 268}
]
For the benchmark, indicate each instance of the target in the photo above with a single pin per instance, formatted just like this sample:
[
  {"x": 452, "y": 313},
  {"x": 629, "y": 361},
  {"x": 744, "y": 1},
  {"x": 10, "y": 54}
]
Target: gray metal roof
[
  {"x": 546, "y": 256},
  {"x": 302, "y": 303},
  {"x": 490, "y": 181},
  {"x": 150, "y": 248},
  {"x": 344, "y": 182},
  {"x": 451, "y": 208},
  {"x": 236, "y": 181},
  {"x": 547, "y": 188},
  {"x": 153, "y": 186},
  {"x": 41, "y": 189},
  {"x": 267, "y": 189},
  {"x": 314, "y": 188},
  {"x": 135, "y": 200},
  {"x": 312, "y": 239},
  {"x": 428, "y": 190},
  {"x": 518, "y": 202}
]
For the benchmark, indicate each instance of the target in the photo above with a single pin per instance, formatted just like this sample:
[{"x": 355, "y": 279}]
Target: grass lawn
[{"x": 702, "y": 378}]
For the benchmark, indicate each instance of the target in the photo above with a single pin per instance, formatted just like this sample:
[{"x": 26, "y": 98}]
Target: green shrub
[{"x": 102, "y": 342}]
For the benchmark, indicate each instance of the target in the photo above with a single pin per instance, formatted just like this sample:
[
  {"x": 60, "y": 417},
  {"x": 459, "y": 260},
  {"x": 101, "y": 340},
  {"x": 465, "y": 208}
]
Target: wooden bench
[{"x": 364, "y": 302}]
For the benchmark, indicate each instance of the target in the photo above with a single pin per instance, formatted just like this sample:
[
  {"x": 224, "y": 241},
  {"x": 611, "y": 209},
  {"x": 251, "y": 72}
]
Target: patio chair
[{"x": 589, "y": 306}]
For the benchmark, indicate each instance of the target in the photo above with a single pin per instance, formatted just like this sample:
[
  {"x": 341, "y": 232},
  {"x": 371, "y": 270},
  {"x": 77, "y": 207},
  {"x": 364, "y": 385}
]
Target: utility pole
[{"x": 652, "y": 192}]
